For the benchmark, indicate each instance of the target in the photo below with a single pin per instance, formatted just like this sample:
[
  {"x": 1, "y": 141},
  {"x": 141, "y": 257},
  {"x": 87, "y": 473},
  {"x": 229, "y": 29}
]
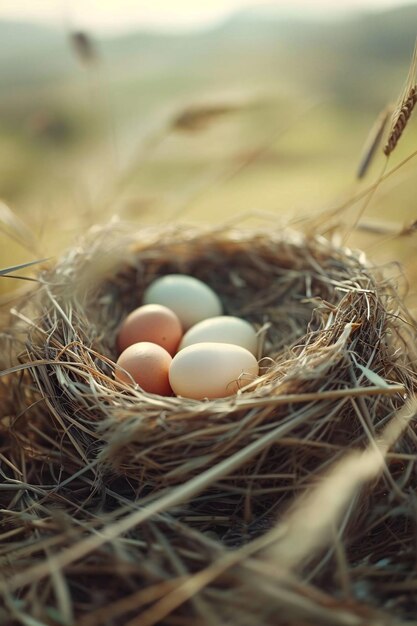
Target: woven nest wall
[{"x": 141, "y": 509}]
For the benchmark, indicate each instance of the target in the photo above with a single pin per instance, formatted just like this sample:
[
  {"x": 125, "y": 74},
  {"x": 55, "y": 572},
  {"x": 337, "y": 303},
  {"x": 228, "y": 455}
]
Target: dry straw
[{"x": 290, "y": 503}]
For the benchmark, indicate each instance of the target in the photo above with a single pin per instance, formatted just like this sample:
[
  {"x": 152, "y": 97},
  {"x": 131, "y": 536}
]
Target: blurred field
[{"x": 80, "y": 141}]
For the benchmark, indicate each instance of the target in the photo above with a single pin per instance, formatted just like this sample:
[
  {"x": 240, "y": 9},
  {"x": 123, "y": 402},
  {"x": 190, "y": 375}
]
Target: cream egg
[
  {"x": 211, "y": 370},
  {"x": 151, "y": 322},
  {"x": 223, "y": 329},
  {"x": 148, "y": 365},
  {"x": 189, "y": 298}
]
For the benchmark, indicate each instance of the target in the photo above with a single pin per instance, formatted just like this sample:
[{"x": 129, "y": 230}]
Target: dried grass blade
[
  {"x": 373, "y": 141},
  {"x": 62, "y": 593},
  {"x": 6, "y": 271},
  {"x": 199, "y": 117},
  {"x": 373, "y": 377},
  {"x": 84, "y": 47},
  {"x": 14, "y": 607},
  {"x": 13, "y": 227},
  {"x": 308, "y": 526}
]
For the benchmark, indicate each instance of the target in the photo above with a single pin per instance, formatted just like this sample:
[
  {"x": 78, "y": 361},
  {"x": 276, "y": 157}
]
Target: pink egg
[
  {"x": 148, "y": 364},
  {"x": 151, "y": 322}
]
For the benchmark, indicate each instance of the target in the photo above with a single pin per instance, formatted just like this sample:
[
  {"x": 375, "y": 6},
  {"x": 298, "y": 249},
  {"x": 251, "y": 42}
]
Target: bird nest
[{"x": 124, "y": 507}]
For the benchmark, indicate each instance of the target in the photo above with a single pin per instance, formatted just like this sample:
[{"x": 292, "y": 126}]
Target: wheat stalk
[
  {"x": 404, "y": 108},
  {"x": 400, "y": 120}
]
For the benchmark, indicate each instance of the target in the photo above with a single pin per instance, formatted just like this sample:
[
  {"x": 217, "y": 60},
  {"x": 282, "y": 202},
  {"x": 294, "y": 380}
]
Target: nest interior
[{"x": 83, "y": 455}]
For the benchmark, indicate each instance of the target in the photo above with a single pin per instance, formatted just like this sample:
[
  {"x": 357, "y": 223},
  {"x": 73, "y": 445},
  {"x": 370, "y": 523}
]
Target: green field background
[{"x": 291, "y": 104}]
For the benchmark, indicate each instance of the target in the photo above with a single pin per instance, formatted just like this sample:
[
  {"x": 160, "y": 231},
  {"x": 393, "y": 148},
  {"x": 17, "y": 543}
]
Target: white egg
[
  {"x": 223, "y": 329},
  {"x": 191, "y": 299},
  {"x": 211, "y": 370}
]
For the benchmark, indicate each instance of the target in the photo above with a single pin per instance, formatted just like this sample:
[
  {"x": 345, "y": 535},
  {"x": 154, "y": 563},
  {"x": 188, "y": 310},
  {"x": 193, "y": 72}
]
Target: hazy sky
[{"x": 117, "y": 15}]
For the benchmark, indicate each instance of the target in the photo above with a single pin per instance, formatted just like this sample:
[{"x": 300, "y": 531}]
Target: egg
[
  {"x": 211, "y": 370},
  {"x": 148, "y": 364},
  {"x": 190, "y": 298},
  {"x": 151, "y": 322},
  {"x": 223, "y": 329}
]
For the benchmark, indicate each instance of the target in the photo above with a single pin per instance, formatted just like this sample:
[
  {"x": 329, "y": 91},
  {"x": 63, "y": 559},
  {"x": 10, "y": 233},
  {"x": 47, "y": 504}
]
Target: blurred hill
[
  {"x": 31, "y": 54},
  {"x": 94, "y": 139}
]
